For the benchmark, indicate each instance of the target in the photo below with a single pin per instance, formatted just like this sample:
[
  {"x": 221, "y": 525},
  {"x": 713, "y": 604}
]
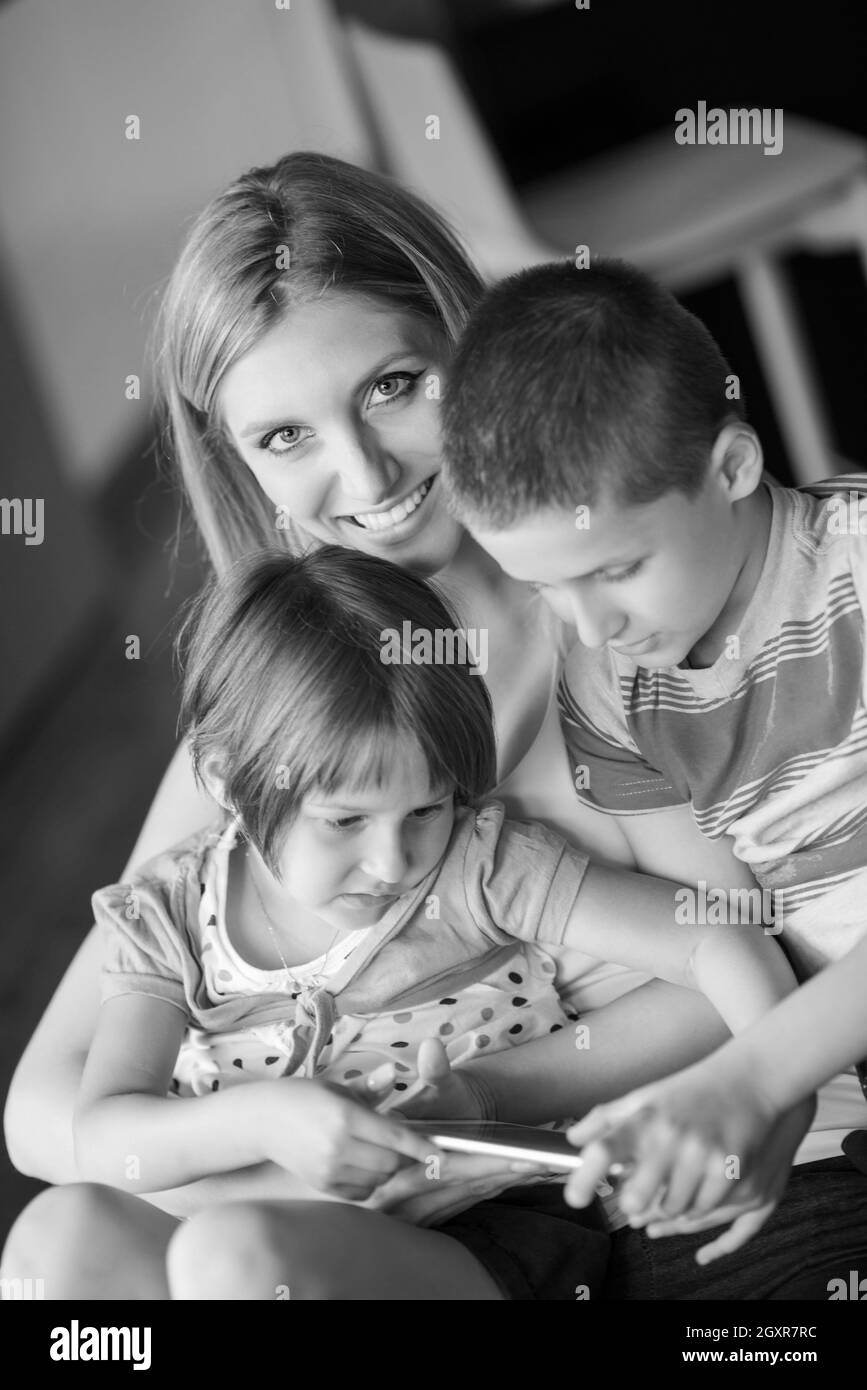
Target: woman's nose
[{"x": 368, "y": 472}]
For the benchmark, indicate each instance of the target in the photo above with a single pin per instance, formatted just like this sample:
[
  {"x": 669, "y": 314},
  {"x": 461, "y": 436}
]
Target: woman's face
[{"x": 335, "y": 412}]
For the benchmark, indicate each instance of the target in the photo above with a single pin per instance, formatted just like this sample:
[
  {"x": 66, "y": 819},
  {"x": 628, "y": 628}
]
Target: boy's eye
[
  {"x": 615, "y": 577},
  {"x": 289, "y": 438},
  {"x": 393, "y": 386}
]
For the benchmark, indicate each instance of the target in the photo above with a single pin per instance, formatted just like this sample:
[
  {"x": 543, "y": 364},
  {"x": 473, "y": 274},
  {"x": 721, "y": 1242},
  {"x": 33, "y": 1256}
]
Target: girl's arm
[
  {"x": 130, "y": 1134},
  {"x": 646, "y": 923},
  {"x": 39, "y": 1106}
]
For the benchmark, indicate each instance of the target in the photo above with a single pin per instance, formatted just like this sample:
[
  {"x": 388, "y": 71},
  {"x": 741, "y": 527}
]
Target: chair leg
[
  {"x": 841, "y": 223},
  {"x": 788, "y": 371}
]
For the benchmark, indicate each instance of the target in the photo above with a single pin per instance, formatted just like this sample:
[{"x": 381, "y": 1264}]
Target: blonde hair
[{"x": 332, "y": 226}]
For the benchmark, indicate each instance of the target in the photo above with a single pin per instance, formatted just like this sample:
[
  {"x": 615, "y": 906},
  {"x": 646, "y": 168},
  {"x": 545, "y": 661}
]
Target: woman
[{"x": 302, "y": 348}]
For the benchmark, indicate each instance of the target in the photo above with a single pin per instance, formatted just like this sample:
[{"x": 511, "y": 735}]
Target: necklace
[{"x": 294, "y": 981}]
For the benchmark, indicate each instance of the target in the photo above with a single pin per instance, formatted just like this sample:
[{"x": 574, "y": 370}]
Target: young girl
[{"x": 359, "y": 899}]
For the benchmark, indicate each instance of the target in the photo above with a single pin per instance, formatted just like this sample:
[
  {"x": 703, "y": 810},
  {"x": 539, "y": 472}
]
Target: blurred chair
[{"x": 686, "y": 214}]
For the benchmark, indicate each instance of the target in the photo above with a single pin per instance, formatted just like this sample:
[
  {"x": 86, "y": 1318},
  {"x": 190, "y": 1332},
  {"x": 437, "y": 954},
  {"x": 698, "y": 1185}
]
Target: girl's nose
[{"x": 384, "y": 857}]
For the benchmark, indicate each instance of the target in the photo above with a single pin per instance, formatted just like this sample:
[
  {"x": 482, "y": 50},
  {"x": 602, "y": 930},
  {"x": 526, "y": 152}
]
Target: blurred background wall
[{"x": 91, "y": 221}]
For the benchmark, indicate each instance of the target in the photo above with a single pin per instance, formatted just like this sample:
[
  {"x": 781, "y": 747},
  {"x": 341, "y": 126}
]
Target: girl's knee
[
  {"x": 245, "y": 1251},
  {"x": 50, "y": 1237}
]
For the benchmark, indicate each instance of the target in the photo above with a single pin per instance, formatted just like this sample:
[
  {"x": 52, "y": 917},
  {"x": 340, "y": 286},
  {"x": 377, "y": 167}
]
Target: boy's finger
[
  {"x": 650, "y": 1172},
  {"x": 686, "y": 1178},
  {"x": 581, "y": 1185},
  {"x": 596, "y": 1125},
  {"x": 737, "y": 1235}
]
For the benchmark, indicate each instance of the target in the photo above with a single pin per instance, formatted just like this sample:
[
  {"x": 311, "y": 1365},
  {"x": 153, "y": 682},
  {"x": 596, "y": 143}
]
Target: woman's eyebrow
[{"x": 401, "y": 350}]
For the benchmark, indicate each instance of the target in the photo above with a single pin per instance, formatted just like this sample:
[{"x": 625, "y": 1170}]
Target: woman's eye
[
  {"x": 288, "y": 438},
  {"x": 392, "y": 387}
]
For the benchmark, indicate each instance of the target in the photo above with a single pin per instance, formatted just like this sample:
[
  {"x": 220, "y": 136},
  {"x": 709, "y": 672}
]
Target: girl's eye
[
  {"x": 289, "y": 438},
  {"x": 392, "y": 387},
  {"x": 345, "y": 823},
  {"x": 428, "y": 812},
  {"x": 623, "y": 574}
]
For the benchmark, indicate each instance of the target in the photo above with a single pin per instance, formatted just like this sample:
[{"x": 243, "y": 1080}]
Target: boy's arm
[
  {"x": 805, "y": 1041},
  {"x": 646, "y": 923}
]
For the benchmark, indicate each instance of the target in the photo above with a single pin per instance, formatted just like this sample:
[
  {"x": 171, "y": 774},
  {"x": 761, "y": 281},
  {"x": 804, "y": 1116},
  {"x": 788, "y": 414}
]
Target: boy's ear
[
  {"x": 211, "y": 773},
  {"x": 737, "y": 460}
]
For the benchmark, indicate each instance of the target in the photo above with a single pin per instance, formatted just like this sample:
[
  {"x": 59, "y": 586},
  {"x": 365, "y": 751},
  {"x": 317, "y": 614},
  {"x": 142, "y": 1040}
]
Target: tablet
[{"x": 545, "y": 1147}]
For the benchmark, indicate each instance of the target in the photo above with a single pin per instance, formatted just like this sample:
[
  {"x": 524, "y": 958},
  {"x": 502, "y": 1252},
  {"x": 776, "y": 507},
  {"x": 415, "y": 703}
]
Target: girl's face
[
  {"x": 349, "y": 855},
  {"x": 335, "y": 412}
]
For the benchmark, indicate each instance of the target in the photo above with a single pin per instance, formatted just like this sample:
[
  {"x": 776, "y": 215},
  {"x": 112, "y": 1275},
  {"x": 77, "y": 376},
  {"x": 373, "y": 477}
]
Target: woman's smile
[{"x": 393, "y": 522}]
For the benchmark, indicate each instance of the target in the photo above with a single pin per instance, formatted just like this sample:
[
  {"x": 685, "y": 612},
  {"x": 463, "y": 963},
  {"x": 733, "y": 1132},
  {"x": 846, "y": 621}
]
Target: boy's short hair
[
  {"x": 570, "y": 383},
  {"x": 284, "y": 682}
]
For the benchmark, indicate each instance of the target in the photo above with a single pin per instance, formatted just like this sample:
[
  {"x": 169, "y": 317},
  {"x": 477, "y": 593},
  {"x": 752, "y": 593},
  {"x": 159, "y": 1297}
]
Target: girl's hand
[
  {"x": 429, "y": 1194},
  {"x": 448, "y": 1094},
  {"x": 333, "y": 1142},
  {"x": 701, "y": 1145}
]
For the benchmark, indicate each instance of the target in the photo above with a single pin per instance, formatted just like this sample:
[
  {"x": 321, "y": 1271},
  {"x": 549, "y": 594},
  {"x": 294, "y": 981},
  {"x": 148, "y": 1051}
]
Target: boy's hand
[
  {"x": 702, "y": 1145},
  {"x": 334, "y": 1142}
]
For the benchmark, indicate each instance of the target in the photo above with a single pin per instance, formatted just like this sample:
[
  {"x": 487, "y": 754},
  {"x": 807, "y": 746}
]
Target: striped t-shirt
[{"x": 768, "y": 745}]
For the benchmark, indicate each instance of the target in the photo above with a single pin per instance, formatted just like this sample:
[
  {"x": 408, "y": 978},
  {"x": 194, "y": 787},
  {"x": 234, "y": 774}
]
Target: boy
[{"x": 597, "y": 447}]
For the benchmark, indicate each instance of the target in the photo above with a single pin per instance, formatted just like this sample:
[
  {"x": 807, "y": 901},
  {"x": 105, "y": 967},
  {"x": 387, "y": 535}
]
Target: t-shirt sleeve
[
  {"x": 859, "y": 576},
  {"x": 141, "y": 950},
  {"x": 609, "y": 772},
  {"x": 520, "y": 879}
]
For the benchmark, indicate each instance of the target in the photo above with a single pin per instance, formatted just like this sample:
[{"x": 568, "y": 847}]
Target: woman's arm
[{"x": 38, "y": 1115}]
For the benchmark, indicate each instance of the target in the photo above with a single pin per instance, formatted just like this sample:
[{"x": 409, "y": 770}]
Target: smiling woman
[{"x": 339, "y": 449}]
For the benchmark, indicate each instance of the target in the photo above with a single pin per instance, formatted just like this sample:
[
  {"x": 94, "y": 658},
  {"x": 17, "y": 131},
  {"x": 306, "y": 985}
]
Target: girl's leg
[
  {"x": 86, "y": 1241},
  {"x": 318, "y": 1251}
]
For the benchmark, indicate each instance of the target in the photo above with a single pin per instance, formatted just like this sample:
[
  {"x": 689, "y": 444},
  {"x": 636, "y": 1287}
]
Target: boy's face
[
  {"x": 349, "y": 854},
  {"x": 650, "y": 581}
]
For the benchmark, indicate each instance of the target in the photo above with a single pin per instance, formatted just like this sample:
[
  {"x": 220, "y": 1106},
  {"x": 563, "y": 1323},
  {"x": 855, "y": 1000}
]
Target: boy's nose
[{"x": 595, "y": 620}]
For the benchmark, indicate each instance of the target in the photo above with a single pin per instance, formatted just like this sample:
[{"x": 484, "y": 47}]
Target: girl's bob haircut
[
  {"x": 286, "y": 690},
  {"x": 277, "y": 237}
]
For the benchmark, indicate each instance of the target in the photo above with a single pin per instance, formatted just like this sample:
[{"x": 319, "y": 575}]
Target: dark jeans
[{"x": 818, "y": 1233}]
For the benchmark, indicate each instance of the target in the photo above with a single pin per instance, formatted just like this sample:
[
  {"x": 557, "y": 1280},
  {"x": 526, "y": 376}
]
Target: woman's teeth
[{"x": 383, "y": 521}]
